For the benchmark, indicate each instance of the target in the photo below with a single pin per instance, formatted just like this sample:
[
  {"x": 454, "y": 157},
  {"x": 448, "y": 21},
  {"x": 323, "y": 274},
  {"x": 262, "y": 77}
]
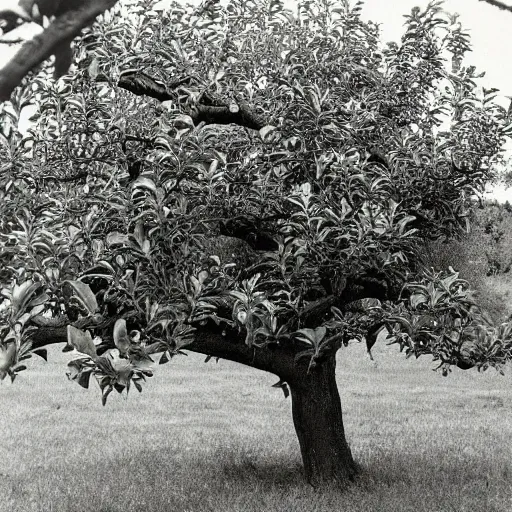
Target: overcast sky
[
  {"x": 491, "y": 38},
  {"x": 490, "y": 29}
]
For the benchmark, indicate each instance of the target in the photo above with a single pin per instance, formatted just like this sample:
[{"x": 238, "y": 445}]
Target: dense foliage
[
  {"x": 482, "y": 257},
  {"x": 362, "y": 153},
  {"x": 493, "y": 229},
  {"x": 242, "y": 177}
]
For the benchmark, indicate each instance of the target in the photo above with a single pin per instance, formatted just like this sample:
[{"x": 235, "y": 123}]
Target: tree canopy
[
  {"x": 250, "y": 184},
  {"x": 62, "y": 22}
]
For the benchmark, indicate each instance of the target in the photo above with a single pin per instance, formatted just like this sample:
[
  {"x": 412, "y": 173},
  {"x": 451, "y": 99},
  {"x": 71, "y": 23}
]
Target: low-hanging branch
[
  {"x": 210, "y": 340},
  {"x": 222, "y": 112}
]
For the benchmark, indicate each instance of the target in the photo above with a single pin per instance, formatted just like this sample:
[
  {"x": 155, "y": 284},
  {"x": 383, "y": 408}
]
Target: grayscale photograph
[{"x": 255, "y": 255}]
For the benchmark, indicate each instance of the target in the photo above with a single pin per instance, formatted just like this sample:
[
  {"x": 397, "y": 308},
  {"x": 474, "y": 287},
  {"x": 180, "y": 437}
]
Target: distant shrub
[
  {"x": 483, "y": 257},
  {"x": 493, "y": 232}
]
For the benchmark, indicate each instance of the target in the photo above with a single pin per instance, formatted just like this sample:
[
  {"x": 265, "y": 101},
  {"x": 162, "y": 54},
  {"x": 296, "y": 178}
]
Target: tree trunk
[{"x": 318, "y": 421}]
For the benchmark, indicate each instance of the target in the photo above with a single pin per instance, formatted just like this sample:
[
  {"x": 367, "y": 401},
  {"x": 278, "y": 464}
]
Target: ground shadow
[{"x": 167, "y": 479}]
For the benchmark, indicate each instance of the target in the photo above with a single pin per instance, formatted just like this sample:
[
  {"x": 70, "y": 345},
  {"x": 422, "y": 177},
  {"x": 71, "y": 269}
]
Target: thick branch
[
  {"x": 274, "y": 359},
  {"x": 208, "y": 114},
  {"x": 48, "y": 336},
  {"x": 209, "y": 341},
  {"x": 140, "y": 84},
  {"x": 51, "y": 41},
  {"x": 221, "y": 112}
]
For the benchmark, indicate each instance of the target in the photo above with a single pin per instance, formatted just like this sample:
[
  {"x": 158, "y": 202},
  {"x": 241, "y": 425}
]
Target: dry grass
[{"x": 215, "y": 437}]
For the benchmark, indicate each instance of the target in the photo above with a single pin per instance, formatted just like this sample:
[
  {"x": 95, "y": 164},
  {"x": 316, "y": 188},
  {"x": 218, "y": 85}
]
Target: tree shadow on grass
[
  {"x": 280, "y": 475},
  {"x": 154, "y": 480},
  {"x": 434, "y": 469},
  {"x": 220, "y": 479}
]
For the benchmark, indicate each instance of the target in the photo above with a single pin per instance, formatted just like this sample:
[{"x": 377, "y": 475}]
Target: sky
[
  {"x": 490, "y": 29},
  {"x": 491, "y": 39}
]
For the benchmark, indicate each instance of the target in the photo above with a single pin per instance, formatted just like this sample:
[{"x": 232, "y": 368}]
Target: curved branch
[
  {"x": 210, "y": 340},
  {"x": 54, "y": 40},
  {"x": 221, "y": 112},
  {"x": 140, "y": 84}
]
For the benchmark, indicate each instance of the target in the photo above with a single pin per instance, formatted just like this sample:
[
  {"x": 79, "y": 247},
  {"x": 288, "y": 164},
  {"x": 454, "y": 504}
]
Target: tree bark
[
  {"x": 318, "y": 420},
  {"x": 216, "y": 111},
  {"x": 65, "y": 27}
]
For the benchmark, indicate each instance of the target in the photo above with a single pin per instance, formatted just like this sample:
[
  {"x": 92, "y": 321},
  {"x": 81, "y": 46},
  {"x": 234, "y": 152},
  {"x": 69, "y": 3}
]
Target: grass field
[{"x": 216, "y": 437}]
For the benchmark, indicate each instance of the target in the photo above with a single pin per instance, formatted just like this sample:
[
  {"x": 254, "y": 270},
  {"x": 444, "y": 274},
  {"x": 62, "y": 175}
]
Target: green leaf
[
  {"x": 283, "y": 386},
  {"x": 116, "y": 238},
  {"x": 121, "y": 339},
  {"x": 93, "y": 69},
  {"x": 105, "y": 392},
  {"x": 22, "y": 295},
  {"x": 80, "y": 371},
  {"x": 41, "y": 352},
  {"x": 238, "y": 295},
  {"x": 85, "y": 294},
  {"x": 84, "y": 378},
  {"x": 416, "y": 299},
  {"x": 182, "y": 121},
  {"x": 38, "y": 300},
  {"x": 312, "y": 336},
  {"x": 266, "y": 131},
  {"x": 144, "y": 182},
  {"x": 81, "y": 341},
  {"x": 164, "y": 359}
]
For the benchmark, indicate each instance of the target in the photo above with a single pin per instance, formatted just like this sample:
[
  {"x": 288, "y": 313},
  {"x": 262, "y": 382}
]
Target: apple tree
[{"x": 252, "y": 184}]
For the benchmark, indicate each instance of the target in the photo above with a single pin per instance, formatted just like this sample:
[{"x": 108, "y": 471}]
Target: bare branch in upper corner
[
  {"x": 498, "y": 4},
  {"x": 54, "y": 40}
]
